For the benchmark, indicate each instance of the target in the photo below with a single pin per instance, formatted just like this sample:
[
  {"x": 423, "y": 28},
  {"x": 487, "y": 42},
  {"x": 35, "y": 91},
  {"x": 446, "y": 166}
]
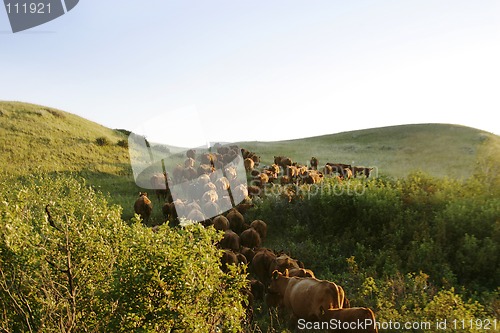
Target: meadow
[{"x": 420, "y": 241}]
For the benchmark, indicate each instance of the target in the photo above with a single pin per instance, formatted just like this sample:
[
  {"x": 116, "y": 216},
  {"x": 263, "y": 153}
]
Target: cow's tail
[
  {"x": 337, "y": 297},
  {"x": 341, "y": 296}
]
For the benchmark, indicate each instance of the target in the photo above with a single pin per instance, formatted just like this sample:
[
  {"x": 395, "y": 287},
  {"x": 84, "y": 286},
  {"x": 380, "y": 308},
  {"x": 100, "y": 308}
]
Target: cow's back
[
  {"x": 359, "y": 320},
  {"x": 306, "y": 297}
]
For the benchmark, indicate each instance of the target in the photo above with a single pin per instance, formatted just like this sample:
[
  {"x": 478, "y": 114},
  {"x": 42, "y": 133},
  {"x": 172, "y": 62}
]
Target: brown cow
[
  {"x": 291, "y": 171},
  {"x": 254, "y": 191},
  {"x": 339, "y": 168},
  {"x": 207, "y": 158},
  {"x": 312, "y": 177},
  {"x": 231, "y": 173},
  {"x": 300, "y": 272},
  {"x": 261, "y": 180},
  {"x": 261, "y": 228},
  {"x": 211, "y": 209},
  {"x": 209, "y": 187},
  {"x": 244, "y": 206},
  {"x": 274, "y": 169},
  {"x": 230, "y": 241},
  {"x": 355, "y": 320},
  {"x": 221, "y": 223},
  {"x": 255, "y": 159},
  {"x": 178, "y": 174},
  {"x": 328, "y": 169},
  {"x": 248, "y": 253},
  {"x": 261, "y": 262},
  {"x": 314, "y": 163},
  {"x": 189, "y": 173},
  {"x": 236, "y": 220},
  {"x": 249, "y": 164},
  {"x": 347, "y": 173},
  {"x": 241, "y": 258},
  {"x": 196, "y": 215},
  {"x": 209, "y": 196},
  {"x": 282, "y": 263},
  {"x": 222, "y": 185},
  {"x": 143, "y": 206},
  {"x": 159, "y": 184},
  {"x": 189, "y": 162},
  {"x": 305, "y": 298},
  {"x": 285, "y": 161},
  {"x": 361, "y": 171},
  {"x": 228, "y": 258},
  {"x": 250, "y": 238},
  {"x": 172, "y": 211},
  {"x": 257, "y": 289},
  {"x": 191, "y": 153},
  {"x": 204, "y": 169},
  {"x": 240, "y": 192}
]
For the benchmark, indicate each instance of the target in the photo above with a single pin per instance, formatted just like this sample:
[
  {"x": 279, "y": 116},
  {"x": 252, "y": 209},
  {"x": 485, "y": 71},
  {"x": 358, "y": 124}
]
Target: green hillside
[
  {"x": 437, "y": 149},
  {"x": 34, "y": 137}
]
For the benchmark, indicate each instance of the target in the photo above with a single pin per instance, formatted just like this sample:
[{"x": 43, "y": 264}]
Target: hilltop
[
  {"x": 438, "y": 149},
  {"x": 34, "y": 137}
]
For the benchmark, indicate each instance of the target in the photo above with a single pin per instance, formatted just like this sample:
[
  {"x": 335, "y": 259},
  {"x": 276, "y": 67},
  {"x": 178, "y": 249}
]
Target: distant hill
[
  {"x": 34, "y": 137},
  {"x": 437, "y": 149}
]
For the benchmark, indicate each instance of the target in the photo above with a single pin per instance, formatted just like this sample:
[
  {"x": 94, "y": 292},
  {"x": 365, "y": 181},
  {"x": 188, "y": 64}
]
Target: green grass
[
  {"x": 438, "y": 149},
  {"x": 36, "y": 138},
  {"x": 33, "y": 137}
]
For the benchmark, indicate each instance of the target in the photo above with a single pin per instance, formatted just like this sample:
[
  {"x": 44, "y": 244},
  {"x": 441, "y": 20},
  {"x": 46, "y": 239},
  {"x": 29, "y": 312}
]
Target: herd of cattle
[
  {"x": 283, "y": 282},
  {"x": 276, "y": 278},
  {"x": 210, "y": 182}
]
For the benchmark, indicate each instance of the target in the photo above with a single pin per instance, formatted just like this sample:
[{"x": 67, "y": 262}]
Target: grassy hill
[
  {"x": 35, "y": 138},
  {"x": 438, "y": 149}
]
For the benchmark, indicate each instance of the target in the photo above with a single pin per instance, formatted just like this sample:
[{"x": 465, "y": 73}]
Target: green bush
[
  {"x": 82, "y": 268},
  {"x": 409, "y": 242},
  {"x": 102, "y": 141},
  {"x": 56, "y": 272},
  {"x": 122, "y": 143},
  {"x": 174, "y": 278},
  {"x": 446, "y": 228}
]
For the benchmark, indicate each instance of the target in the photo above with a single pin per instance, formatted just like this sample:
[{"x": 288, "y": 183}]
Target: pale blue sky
[{"x": 262, "y": 70}]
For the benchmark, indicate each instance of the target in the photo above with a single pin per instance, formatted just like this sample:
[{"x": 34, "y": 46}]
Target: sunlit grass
[{"x": 438, "y": 149}]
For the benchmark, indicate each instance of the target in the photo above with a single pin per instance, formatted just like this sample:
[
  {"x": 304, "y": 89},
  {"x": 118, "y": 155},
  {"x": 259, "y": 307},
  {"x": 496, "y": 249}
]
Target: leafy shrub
[
  {"x": 409, "y": 242},
  {"x": 102, "y": 141},
  {"x": 122, "y": 143},
  {"x": 82, "y": 268},
  {"x": 56, "y": 113},
  {"x": 174, "y": 278},
  {"x": 56, "y": 272}
]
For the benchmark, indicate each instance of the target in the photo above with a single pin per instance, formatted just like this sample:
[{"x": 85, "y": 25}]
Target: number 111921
[
  {"x": 478, "y": 324},
  {"x": 25, "y": 8}
]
